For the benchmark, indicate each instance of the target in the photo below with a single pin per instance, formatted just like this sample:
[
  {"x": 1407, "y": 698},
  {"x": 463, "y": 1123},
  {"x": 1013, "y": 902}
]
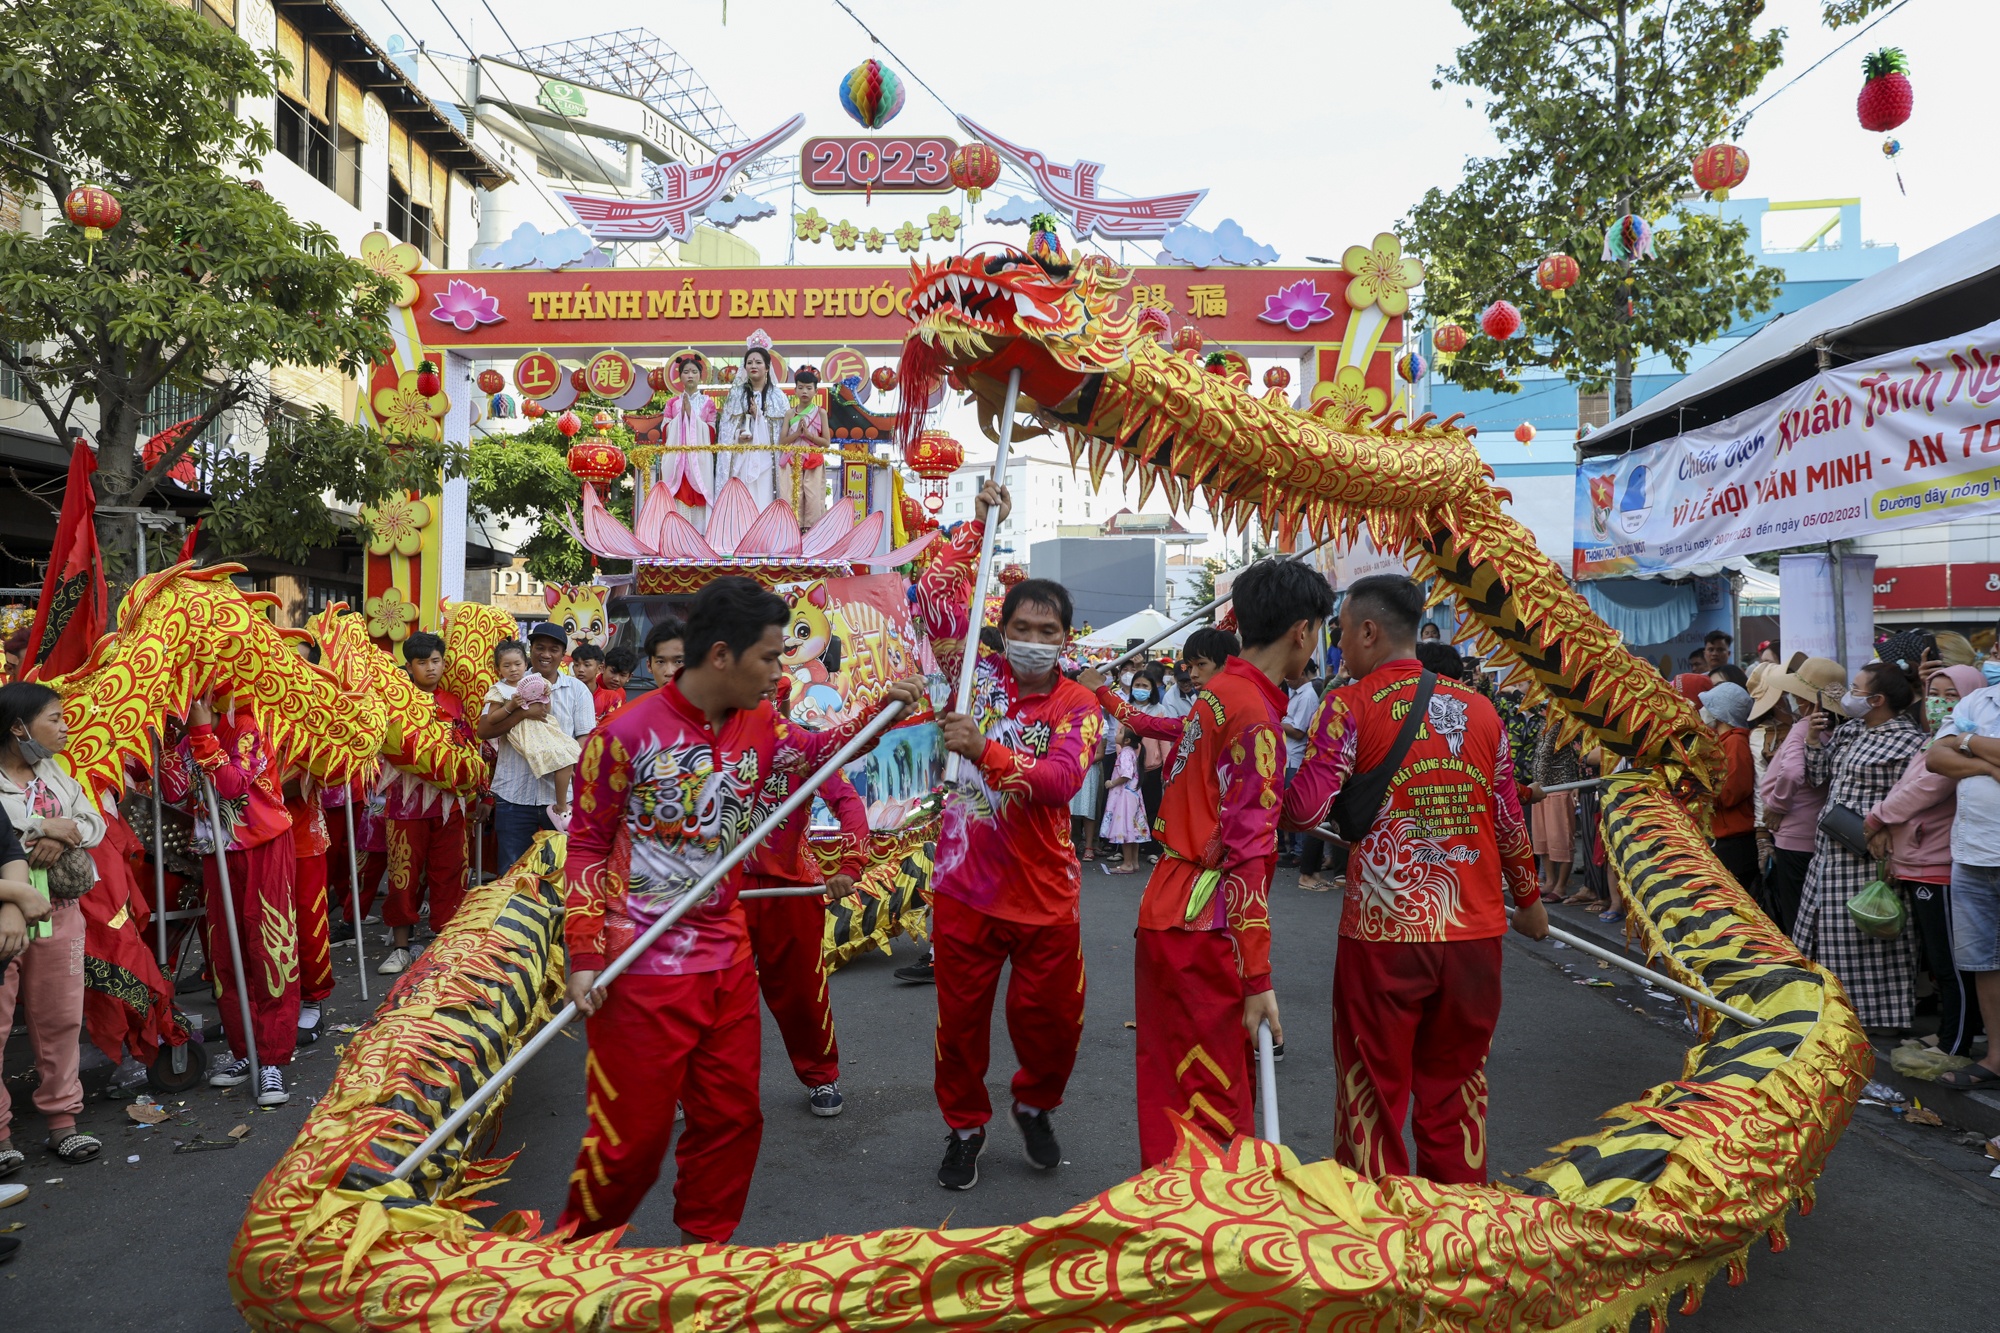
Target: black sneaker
[
  {"x": 1038, "y": 1140},
  {"x": 825, "y": 1099},
  {"x": 340, "y": 932},
  {"x": 917, "y": 974},
  {"x": 961, "y": 1161}
]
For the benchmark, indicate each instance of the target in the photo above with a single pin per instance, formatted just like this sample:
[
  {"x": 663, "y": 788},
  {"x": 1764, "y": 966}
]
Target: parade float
[{"x": 1673, "y": 1192}]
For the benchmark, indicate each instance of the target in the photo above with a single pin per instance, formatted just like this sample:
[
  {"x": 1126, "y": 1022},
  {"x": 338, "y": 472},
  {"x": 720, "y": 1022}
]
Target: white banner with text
[{"x": 1897, "y": 441}]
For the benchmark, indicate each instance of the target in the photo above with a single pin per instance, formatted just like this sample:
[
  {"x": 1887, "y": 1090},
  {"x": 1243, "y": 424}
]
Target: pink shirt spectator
[{"x": 1786, "y": 794}]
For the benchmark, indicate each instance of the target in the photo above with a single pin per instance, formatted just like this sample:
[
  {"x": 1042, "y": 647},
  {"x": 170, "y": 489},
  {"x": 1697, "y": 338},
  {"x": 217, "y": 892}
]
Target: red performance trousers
[
  {"x": 315, "y": 941},
  {"x": 1044, "y": 1008},
  {"x": 691, "y": 1039},
  {"x": 372, "y": 866},
  {"x": 1194, "y": 1060},
  {"x": 260, "y": 889},
  {"x": 425, "y": 853},
  {"x": 785, "y": 940},
  {"x": 1414, "y": 1020}
]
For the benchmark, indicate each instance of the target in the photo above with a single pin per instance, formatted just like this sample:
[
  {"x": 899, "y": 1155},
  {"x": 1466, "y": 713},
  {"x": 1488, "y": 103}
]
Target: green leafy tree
[
  {"x": 206, "y": 282},
  {"x": 526, "y": 477},
  {"x": 1599, "y": 106}
]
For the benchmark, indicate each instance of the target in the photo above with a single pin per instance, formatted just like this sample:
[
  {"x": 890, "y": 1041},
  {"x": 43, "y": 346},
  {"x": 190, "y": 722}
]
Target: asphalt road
[{"x": 1906, "y": 1234}]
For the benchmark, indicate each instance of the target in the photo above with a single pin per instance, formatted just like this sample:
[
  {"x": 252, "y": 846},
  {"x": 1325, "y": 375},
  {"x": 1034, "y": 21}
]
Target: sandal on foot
[
  {"x": 1613, "y": 915},
  {"x": 1968, "y": 1078},
  {"x": 75, "y": 1147},
  {"x": 11, "y": 1159}
]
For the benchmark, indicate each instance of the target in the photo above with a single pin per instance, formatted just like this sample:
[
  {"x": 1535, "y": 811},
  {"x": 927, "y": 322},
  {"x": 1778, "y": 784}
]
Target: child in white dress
[{"x": 549, "y": 751}]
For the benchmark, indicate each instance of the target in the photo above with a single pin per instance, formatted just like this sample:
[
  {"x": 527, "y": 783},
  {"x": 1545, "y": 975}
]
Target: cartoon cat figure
[{"x": 580, "y": 609}]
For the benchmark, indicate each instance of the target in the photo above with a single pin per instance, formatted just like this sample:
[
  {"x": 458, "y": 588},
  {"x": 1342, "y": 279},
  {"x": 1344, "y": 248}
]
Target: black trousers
[
  {"x": 1958, "y": 1005},
  {"x": 1738, "y": 854},
  {"x": 1784, "y": 885}
]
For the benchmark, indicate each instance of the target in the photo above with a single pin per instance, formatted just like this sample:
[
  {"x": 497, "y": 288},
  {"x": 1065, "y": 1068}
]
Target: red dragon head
[{"x": 998, "y": 308}]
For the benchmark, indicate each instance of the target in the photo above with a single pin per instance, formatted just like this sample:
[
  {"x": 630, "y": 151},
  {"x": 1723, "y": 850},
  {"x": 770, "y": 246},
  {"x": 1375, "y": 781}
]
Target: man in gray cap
[{"x": 520, "y": 799}]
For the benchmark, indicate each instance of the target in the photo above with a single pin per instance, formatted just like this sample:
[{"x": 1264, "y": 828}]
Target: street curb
[{"x": 1977, "y": 1111}]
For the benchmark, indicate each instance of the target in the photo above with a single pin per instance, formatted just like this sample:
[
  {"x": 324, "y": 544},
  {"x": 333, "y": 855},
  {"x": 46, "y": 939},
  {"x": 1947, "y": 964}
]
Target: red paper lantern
[
  {"x": 658, "y": 379},
  {"x": 94, "y": 209},
  {"x": 884, "y": 378},
  {"x": 1556, "y": 274},
  {"x": 1500, "y": 321},
  {"x": 1188, "y": 338},
  {"x": 533, "y": 410},
  {"x": 491, "y": 381},
  {"x": 1010, "y": 575},
  {"x": 428, "y": 382},
  {"x": 974, "y": 167},
  {"x": 1450, "y": 340},
  {"x": 596, "y": 459},
  {"x": 1720, "y": 168},
  {"x": 579, "y": 381},
  {"x": 1525, "y": 433},
  {"x": 1277, "y": 377},
  {"x": 569, "y": 425},
  {"x": 934, "y": 455}
]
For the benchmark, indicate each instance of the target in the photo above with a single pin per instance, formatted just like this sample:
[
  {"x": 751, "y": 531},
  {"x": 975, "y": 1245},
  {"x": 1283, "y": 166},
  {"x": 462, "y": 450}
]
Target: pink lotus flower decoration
[
  {"x": 1298, "y": 306},
  {"x": 464, "y": 306}
]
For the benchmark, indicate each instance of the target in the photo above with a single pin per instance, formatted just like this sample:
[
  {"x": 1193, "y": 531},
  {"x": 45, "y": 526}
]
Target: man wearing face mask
[
  {"x": 1005, "y": 886},
  {"x": 1202, "y": 965}
]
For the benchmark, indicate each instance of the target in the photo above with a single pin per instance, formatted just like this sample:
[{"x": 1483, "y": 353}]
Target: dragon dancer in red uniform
[
  {"x": 1006, "y": 884},
  {"x": 1416, "y": 984},
  {"x": 665, "y": 788},
  {"x": 786, "y": 932},
  {"x": 1202, "y": 969}
]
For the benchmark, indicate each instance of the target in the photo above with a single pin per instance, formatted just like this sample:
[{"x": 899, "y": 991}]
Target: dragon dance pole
[
  {"x": 354, "y": 887},
  {"x": 159, "y": 862},
  {"x": 693, "y": 898},
  {"x": 1584, "y": 946},
  {"x": 784, "y": 891},
  {"x": 235, "y": 941},
  {"x": 1267, "y": 1082},
  {"x": 1190, "y": 618},
  {"x": 969, "y": 663}
]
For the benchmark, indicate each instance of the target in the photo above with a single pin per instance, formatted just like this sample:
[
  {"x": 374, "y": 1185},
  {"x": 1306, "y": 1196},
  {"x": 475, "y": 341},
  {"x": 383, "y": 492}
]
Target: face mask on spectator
[
  {"x": 1938, "y": 708},
  {"x": 1854, "y": 705},
  {"x": 1142, "y": 694},
  {"x": 1991, "y": 670}
]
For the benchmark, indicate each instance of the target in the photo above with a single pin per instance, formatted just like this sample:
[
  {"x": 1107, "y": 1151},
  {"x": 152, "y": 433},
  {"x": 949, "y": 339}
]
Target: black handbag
[
  {"x": 1360, "y": 799},
  {"x": 1845, "y": 827}
]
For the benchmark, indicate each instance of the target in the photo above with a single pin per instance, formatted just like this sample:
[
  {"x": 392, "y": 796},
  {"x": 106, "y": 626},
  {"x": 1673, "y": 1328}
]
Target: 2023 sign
[{"x": 865, "y": 165}]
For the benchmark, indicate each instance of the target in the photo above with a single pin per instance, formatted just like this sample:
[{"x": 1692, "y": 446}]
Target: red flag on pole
[
  {"x": 71, "y": 615},
  {"x": 193, "y": 540}
]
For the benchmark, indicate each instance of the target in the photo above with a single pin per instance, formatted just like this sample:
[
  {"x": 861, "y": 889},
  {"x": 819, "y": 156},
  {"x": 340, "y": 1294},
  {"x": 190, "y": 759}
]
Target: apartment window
[
  {"x": 419, "y": 190},
  {"x": 317, "y": 121},
  {"x": 10, "y": 383}
]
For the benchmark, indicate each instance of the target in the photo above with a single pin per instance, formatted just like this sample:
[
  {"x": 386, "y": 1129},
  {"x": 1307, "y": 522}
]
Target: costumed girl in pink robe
[{"x": 687, "y": 464}]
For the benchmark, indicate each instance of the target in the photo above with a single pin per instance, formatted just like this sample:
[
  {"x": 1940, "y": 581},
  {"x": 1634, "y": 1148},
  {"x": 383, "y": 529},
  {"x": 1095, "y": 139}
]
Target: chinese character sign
[
  {"x": 537, "y": 375},
  {"x": 609, "y": 374}
]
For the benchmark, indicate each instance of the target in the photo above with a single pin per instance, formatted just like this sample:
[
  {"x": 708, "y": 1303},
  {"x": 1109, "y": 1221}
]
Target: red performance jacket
[
  {"x": 1005, "y": 849},
  {"x": 1219, "y": 819},
  {"x": 1450, "y": 840},
  {"x": 783, "y": 858}
]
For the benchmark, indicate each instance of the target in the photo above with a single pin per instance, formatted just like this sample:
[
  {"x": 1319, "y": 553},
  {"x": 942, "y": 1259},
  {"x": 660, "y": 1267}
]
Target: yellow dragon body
[{"x": 1677, "y": 1187}]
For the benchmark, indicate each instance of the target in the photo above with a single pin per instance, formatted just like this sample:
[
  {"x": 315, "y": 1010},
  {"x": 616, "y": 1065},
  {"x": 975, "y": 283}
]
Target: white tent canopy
[{"x": 1141, "y": 625}]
